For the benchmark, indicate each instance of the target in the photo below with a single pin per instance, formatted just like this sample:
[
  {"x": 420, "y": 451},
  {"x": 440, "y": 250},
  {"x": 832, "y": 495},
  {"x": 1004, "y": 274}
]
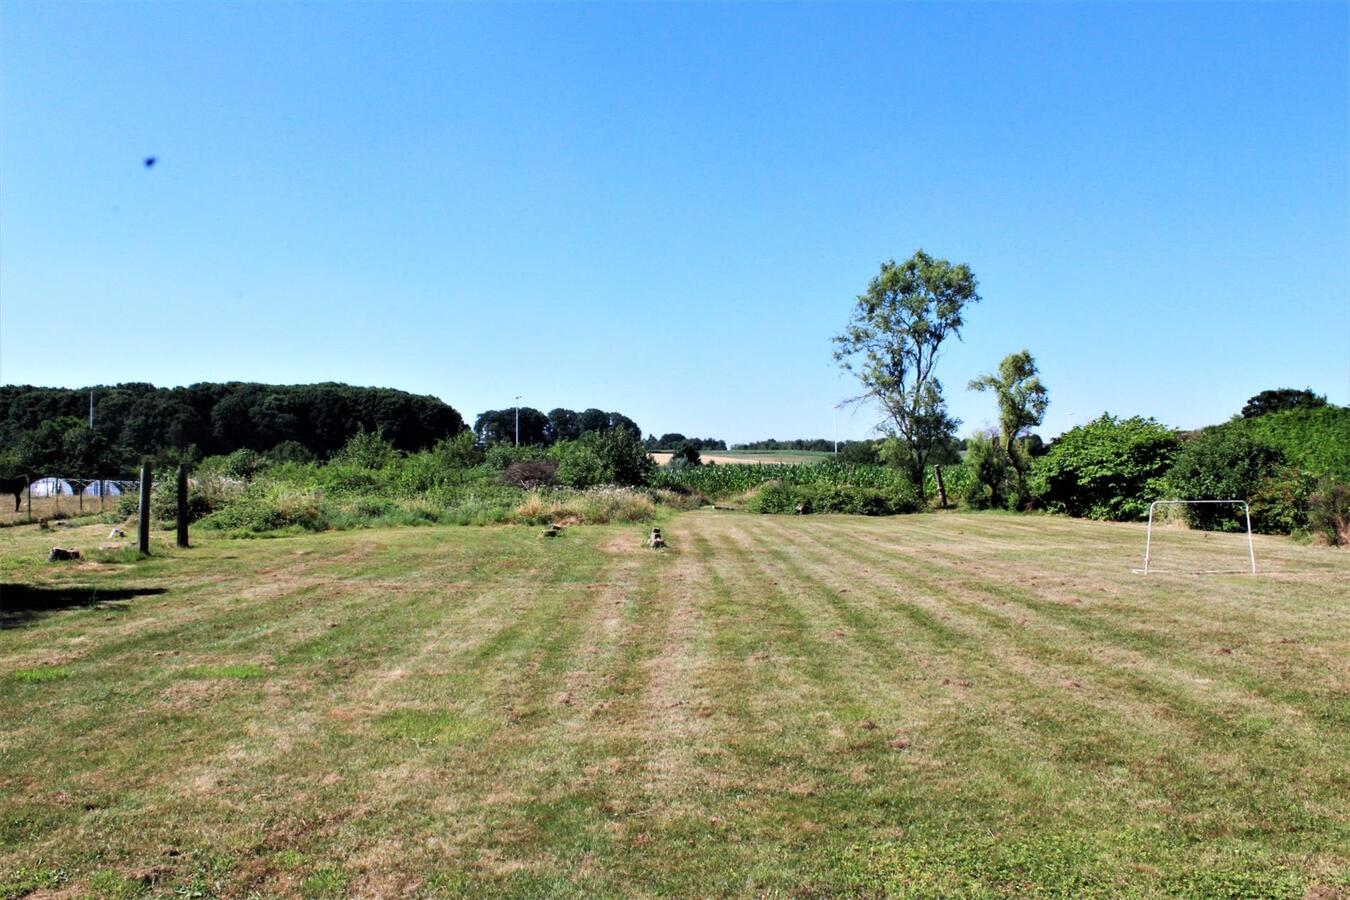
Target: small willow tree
[
  {"x": 1022, "y": 401},
  {"x": 892, "y": 344},
  {"x": 1022, "y": 398}
]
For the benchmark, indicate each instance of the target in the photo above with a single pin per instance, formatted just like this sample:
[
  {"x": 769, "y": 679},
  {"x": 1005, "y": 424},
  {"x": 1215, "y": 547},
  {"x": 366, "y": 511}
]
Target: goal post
[{"x": 1148, "y": 538}]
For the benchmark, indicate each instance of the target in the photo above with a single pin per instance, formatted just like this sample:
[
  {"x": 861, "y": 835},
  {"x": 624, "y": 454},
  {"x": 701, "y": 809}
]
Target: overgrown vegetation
[
  {"x": 1317, "y": 440},
  {"x": 1222, "y": 465},
  {"x": 368, "y": 482},
  {"x": 1107, "y": 469}
]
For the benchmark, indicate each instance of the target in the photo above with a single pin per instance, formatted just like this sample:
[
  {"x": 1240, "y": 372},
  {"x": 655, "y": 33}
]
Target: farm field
[
  {"x": 751, "y": 457},
  {"x": 928, "y": 705}
]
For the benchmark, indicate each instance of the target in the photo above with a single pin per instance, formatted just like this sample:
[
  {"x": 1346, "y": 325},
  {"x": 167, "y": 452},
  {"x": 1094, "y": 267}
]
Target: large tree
[
  {"x": 892, "y": 344},
  {"x": 563, "y": 425}
]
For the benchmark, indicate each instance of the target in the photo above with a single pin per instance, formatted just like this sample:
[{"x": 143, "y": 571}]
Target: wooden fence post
[
  {"x": 942, "y": 488},
  {"x": 182, "y": 506},
  {"x": 143, "y": 526}
]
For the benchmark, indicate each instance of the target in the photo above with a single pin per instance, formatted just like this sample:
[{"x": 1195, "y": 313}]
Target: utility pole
[{"x": 517, "y": 420}]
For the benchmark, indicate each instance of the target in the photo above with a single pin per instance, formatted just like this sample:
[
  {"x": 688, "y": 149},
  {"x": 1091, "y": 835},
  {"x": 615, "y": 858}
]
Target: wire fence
[{"x": 60, "y": 497}]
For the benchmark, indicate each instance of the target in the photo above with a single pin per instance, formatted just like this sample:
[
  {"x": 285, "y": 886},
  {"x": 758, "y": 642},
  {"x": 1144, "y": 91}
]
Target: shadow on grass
[{"x": 20, "y": 604}]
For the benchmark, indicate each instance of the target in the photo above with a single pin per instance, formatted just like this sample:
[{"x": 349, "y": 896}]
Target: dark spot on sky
[{"x": 150, "y": 162}]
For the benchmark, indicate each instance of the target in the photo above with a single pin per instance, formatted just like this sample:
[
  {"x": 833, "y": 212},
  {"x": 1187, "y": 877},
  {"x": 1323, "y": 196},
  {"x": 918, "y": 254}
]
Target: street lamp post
[{"x": 517, "y": 420}]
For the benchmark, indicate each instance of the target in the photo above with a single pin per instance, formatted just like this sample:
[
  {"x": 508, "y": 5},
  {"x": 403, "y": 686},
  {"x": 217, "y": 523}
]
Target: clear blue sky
[{"x": 667, "y": 210}]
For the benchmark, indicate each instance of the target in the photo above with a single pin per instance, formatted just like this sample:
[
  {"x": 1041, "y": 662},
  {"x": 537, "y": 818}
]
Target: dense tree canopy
[
  {"x": 672, "y": 440},
  {"x": 211, "y": 419},
  {"x": 1281, "y": 399},
  {"x": 499, "y": 425}
]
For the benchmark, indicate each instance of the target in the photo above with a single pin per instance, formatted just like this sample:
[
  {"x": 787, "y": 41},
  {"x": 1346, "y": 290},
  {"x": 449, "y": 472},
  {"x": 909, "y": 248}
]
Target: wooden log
[
  {"x": 182, "y": 506},
  {"x": 942, "y": 488},
  {"x": 143, "y": 525}
]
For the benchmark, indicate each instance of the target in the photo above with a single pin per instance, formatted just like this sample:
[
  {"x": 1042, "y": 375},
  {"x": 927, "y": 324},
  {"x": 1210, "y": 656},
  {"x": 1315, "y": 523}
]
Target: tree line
[
  {"x": 46, "y": 430},
  {"x": 531, "y": 427}
]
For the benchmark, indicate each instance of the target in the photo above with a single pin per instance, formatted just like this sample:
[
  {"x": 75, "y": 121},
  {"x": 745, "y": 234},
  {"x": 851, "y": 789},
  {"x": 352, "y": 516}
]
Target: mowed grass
[{"x": 931, "y": 705}]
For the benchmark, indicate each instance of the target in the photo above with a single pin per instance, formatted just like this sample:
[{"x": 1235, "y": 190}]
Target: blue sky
[{"x": 667, "y": 210}]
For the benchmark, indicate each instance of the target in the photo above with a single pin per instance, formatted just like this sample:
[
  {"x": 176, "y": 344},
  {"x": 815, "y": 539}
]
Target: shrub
[
  {"x": 459, "y": 452},
  {"x": 578, "y": 462},
  {"x": 1221, "y": 464},
  {"x": 205, "y": 495},
  {"x": 774, "y": 498},
  {"x": 270, "y": 508},
  {"x": 499, "y": 456},
  {"x": 290, "y": 451},
  {"x": 1107, "y": 469},
  {"x": 1329, "y": 512},
  {"x": 416, "y": 474},
  {"x": 367, "y": 450},
  {"x": 783, "y": 499},
  {"x": 598, "y": 506},
  {"x": 338, "y": 477},
  {"x": 531, "y": 473},
  {"x": 609, "y": 457},
  {"x": 1281, "y": 502},
  {"x": 685, "y": 453},
  {"x": 859, "y": 453},
  {"x": 993, "y": 482},
  {"x": 241, "y": 464},
  {"x": 626, "y": 460}
]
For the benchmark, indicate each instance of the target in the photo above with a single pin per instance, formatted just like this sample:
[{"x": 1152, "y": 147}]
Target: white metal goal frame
[{"x": 1148, "y": 539}]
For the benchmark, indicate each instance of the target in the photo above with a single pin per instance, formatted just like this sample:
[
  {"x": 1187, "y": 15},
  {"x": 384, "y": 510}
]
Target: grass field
[
  {"x": 50, "y": 508},
  {"x": 935, "y": 705}
]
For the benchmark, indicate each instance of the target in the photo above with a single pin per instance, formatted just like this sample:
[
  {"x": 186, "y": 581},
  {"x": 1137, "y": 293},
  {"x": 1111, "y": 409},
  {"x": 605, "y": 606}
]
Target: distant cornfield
[{"x": 721, "y": 481}]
